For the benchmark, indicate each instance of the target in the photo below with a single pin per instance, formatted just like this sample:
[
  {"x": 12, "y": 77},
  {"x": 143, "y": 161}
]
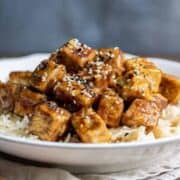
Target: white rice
[
  {"x": 15, "y": 126},
  {"x": 168, "y": 125}
]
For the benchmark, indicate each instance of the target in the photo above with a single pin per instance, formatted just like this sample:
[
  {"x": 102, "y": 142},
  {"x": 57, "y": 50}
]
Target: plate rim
[{"x": 65, "y": 145}]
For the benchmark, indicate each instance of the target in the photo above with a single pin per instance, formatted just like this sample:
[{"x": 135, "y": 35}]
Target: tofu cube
[
  {"x": 71, "y": 89},
  {"x": 142, "y": 113},
  {"x": 46, "y": 75},
  {"x": 49, "y": 121},
  {"x": 20, "y": 77},
  {"x": 141, "y": 79},
  {"x": 114, "y": 57},
  {"x": 25, "y": 104},
  {"x": 75, "y": 55},
  {"x": 9, "y": 92},
  {"x": 106, "y": 67},
  {"x": 98, "y": 74},
  {"x": 170, "y": 88},
  {"x": 159, "y": 100},
  {"x": 6, "y": 100},
  {"x": 90, "y": 127},
  {"x": 110, "y": 108}
]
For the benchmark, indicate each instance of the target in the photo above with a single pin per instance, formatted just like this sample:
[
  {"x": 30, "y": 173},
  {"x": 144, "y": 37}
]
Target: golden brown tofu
[
  {"x": 170, "y": 88},
  {"x": 73, "y": 89},
  {"x": 159, "y": 100},
  {"x": 46, "y": 75},
  {"x": 98, "y": 74},
  {"x": 110, "y": 108},
  {"x": 141, "y": 112},
  {"x": 27, "y": 101},
  {"x": 20, "y": 77},
  {"x": 141, "y": 79},
  {"x": 49, "y": 121},
  {"x": 114, "y": 57},
  {"x": 90, "y": 127},
  {"x": 9, "y": 92},
  {"x": 75, "y": 55},
  {"x": 6, "y": 100}
]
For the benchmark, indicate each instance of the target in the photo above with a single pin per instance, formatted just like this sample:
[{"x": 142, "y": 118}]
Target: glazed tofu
[
  {"x": 49, "y": 121},
  {"x": 90, "y": 127},
  {"x": 114, "y": 57},
  {"x": 6, "y": 101},
  {"x": 160, "y": 101},
  {"x": 98, "y": 74},
  {"x": 46, "y": 75},
  {"x": 141, "y": 79},
  {"x": 110, "y": 108},
  {"x": 170, "y": 88},
  {"x": 142, "y": 113},
  {"x": 72, "y": 89},
  {"x": 27, "y": 101},
  {"x": 20, "y": 77},
  {"x": 9, "y": 92},
  {"x": 75, "y": 55}
]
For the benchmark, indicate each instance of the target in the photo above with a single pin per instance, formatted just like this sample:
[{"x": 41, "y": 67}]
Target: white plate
[{"x": 87, "y": 157}]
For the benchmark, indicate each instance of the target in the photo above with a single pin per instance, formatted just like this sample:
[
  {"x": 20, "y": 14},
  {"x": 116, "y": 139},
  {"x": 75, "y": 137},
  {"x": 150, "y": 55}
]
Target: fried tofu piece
[
  {"x": 72, "y": 89},
  {"x": 103, "y": 71},
  {"x": 49, "y": 121},
  {"x": 98, "y": 74},
  {"x": 90, "y": 127},
  {"x": 110, "y": 108},
  {"x": 146, "y": 69},
  {"x": 141, "y": 79},
  {"x": 159, "y": 100},
  {"x": 46, "y": 75},
  {"x": 20, "y": 77},
  {"x": 6, "y": 100},
  {"x": 9, "y": 92},
  {"x": 75, "y": 55},
  {"x": 142, "y": 112},
  {"x": 114, "y": 57},
  {"x": 27, "y": 101},
  {"x": 170, "y": 88}
]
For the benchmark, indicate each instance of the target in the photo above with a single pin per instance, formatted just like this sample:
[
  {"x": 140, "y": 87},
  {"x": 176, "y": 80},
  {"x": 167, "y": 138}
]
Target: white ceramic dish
[{"x": 87, "y": 157}]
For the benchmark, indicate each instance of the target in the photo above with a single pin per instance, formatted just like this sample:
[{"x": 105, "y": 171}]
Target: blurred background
[{"x": 145, "y": 27}]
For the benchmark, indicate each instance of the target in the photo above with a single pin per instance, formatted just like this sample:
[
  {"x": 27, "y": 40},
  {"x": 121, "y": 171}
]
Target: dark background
[{"x": 146, "y": 27}]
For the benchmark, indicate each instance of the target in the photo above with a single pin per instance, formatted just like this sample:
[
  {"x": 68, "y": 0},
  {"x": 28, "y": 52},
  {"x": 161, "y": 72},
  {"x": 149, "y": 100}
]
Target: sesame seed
[
  {"x": 100, "y": 52},
  {"x": 112, "y": 56}
]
